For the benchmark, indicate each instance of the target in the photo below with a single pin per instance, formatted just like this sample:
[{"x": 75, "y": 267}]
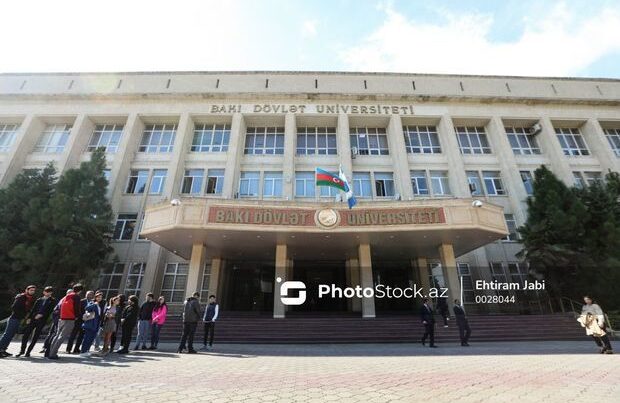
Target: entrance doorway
[
  {"x": 313, "y": 273},
  {"x": 395, "y": 274},
  {"x": 249, "y": 286}
]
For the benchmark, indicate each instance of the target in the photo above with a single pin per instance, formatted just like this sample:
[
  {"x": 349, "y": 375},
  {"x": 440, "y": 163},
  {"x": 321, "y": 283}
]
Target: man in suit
[
  {"x": 428, "y": 320},
  {"x": 36, "y": 320},
  {"x": 462, "y": 323}
]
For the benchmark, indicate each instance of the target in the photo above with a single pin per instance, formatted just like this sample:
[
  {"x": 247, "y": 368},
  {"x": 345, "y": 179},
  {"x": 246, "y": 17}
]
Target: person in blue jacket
[{"x": 92, "y": 319}]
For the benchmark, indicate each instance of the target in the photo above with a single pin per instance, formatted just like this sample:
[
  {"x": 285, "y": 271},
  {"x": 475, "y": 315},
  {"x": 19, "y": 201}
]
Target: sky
[{"x": 507, "y": 37}]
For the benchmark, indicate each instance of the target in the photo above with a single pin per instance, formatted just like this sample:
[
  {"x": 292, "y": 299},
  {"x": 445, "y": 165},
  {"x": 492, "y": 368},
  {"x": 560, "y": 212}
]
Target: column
[
  {"x": 214, "y": 280},
  {"x": 182, "y": 145},
  {"x": 365, "y": 265},
  {"x": 422, "y": 265},
  {"x": 150, "y": 271},
  {"x": 26, "y": 137},
  {"x": 448, "y": 264},
  {"x": 398, "y": 151},
  {"x": 288, "y": 165},
  {"x": 279, "y": 309},
  {"x": 550, "y": 146},
  {"x": 456, "y": 167},
  {"x": 354, "y": 281},
  {"x": 76, "y": 143},
  {"x": 233, "y": 156},
  {"x": 509, "y": 168},
  {"x": 196, "y": 263},
  {"x": 132, "y": 134},
  {"x": 344, "y": 145},
  {"x": 599, "y": 146}
]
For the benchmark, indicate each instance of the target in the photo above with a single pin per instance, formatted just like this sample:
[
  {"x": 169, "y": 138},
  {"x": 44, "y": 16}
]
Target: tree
[{"x": 61, "y": 234}]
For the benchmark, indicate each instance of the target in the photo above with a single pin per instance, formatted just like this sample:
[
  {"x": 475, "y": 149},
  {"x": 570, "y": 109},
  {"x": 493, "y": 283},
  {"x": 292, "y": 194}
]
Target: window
[
  {"x": 475, "y": 185},
  {"x": 158, "y": 138},
  {"x": 158, "y": 181},
  {"x": 248, "y": 184},
  {"x": 215, "y": 181},
  {"x": 384, "y": 184},
  {"x": 192, "y": 181},
  {"x": 435, "y": 275},
  {"x": 272, "y": 184},
  {"x": 369, "y": 140},
  {"x": 264, "y": 140},
  {"x": 210, "y": 138},
  {"x": 468, "y": 284},
  {"x": 107, "y": 137},
  {"x": 137, "y": 181},
  {"x": 316, "y": 141},
  {"x": 440, "y": 183},
  {"x": 528, "y": 181},
  {"x": 174, "y": 282},
  {"x": 421, "y": 140},
  {"x": 511, "y": 223},
  {"x": 419, "y": 183},
  {"x": 361, "y": 184},
  {"x": 613, "y": 136},
  {"x": 305, "y": 184},
  {"x": 110, "y": 278},
  {"x": 497, "y": 272},
  {"x": 140, "y": 236},
  {"x": 571, "y": 141},
  {"x": 133, "y": 284},
  {"x": 593, "y": 177},
  {"x": 518, "y": 272},
  {"x": 53, "y": 139},
  {"x": 107, "y": 174},
  {"x": 473, "y": 140},
  {"x": 579, "y": 181},
  {"x": 493, "y": 183},
  {"x": 204, "y": 287},
  {"x": 521, "y": 141},
  {"x": 7, "y": 136},
  {"x": 125, "y": 225},
  {"x": 328, "y": 191}
]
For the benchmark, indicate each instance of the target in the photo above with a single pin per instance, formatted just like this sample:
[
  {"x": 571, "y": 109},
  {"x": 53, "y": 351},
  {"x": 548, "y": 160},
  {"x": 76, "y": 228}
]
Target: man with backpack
[{"x": 70, "y": 310}]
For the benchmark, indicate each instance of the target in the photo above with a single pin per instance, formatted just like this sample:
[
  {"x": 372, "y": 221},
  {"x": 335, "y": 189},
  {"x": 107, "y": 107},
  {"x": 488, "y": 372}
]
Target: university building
[{"x": 211, "y": 175}]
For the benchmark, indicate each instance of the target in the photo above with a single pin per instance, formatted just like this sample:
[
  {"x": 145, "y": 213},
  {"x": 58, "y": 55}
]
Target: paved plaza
[{"x": 497, "y": 372}]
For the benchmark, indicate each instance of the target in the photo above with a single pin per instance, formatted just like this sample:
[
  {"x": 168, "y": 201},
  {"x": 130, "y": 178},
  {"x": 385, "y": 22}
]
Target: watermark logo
[{"x": 292, "y": 285}]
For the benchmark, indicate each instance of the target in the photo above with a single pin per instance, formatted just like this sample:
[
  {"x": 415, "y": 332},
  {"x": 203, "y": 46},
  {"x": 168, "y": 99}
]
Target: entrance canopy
[{"x": 250, "y": 229}]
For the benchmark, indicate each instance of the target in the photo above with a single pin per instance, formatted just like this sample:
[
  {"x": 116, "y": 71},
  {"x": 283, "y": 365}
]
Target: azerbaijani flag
[{"x": 324, "y": 178}]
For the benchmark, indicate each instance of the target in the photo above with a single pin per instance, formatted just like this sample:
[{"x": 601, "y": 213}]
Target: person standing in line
[
  {"x": 442, "y": 306},
  {"x": 462, "y": 323},
  {"x": 70, "y": 310},
  {"x": 78, "y": 333},
  {"x": 159, "y": 318},
  {"x": 51, "y": 334},
  {"x": 36, "y": 319},
  {"x": 109, "y": 324},
  {"x": 119, "y": 313},
  {"x": 144, "y": 323},
  {"x": 191, "y": 316},
  {"x": 428, "y": 320},
  {"x": 129, "y": 319},
  {"x": 211, "y": 313},
  {"x": 99, "y": 335},
  {"x": 593, "y": 319},
  {"x": 22, "y": 304},
  {"x": 91, "y": 321}
]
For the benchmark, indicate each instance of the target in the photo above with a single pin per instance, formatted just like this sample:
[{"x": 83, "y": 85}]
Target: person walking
[
  {"x": 70, "y": 310},
  {"x": 593, "y": 319},
  {"x": 462, "y": 323},
  {"x": 51, "y": 334},
  {"x": 191, "y": 316},
  {"x": 158, "y": 319},
  {"x": 211, "y": 313},
  {"x": 22, "y": 304},
  {"x": 36, "y": 319},
  {"x": 144, "y": 323},
  {"x": 428, "y": 320},
  {"x": 77, "y": 335},
  {"x": 119, "y": 314},
  {"x": 129, "y": 318},
  {"x": 442, "y": 307},
  {"x": 90, "y": 323},
  {"x": 109, "y": 324}
]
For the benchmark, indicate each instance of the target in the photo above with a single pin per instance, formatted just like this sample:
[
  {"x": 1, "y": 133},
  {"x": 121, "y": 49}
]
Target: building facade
[{"x": 211, "y": 175}]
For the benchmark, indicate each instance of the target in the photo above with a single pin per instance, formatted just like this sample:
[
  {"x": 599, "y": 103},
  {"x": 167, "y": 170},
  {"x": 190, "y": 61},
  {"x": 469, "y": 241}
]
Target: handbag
[{"x": 88, "y": 316}]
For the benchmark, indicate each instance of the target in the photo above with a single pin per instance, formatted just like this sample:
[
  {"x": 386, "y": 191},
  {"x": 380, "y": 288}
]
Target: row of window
[{"x": 160, "y": 138}]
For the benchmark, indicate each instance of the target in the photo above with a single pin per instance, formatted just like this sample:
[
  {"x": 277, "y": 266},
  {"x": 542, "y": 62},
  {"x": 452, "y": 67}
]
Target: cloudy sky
[{"x": 508, "y": 37}]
